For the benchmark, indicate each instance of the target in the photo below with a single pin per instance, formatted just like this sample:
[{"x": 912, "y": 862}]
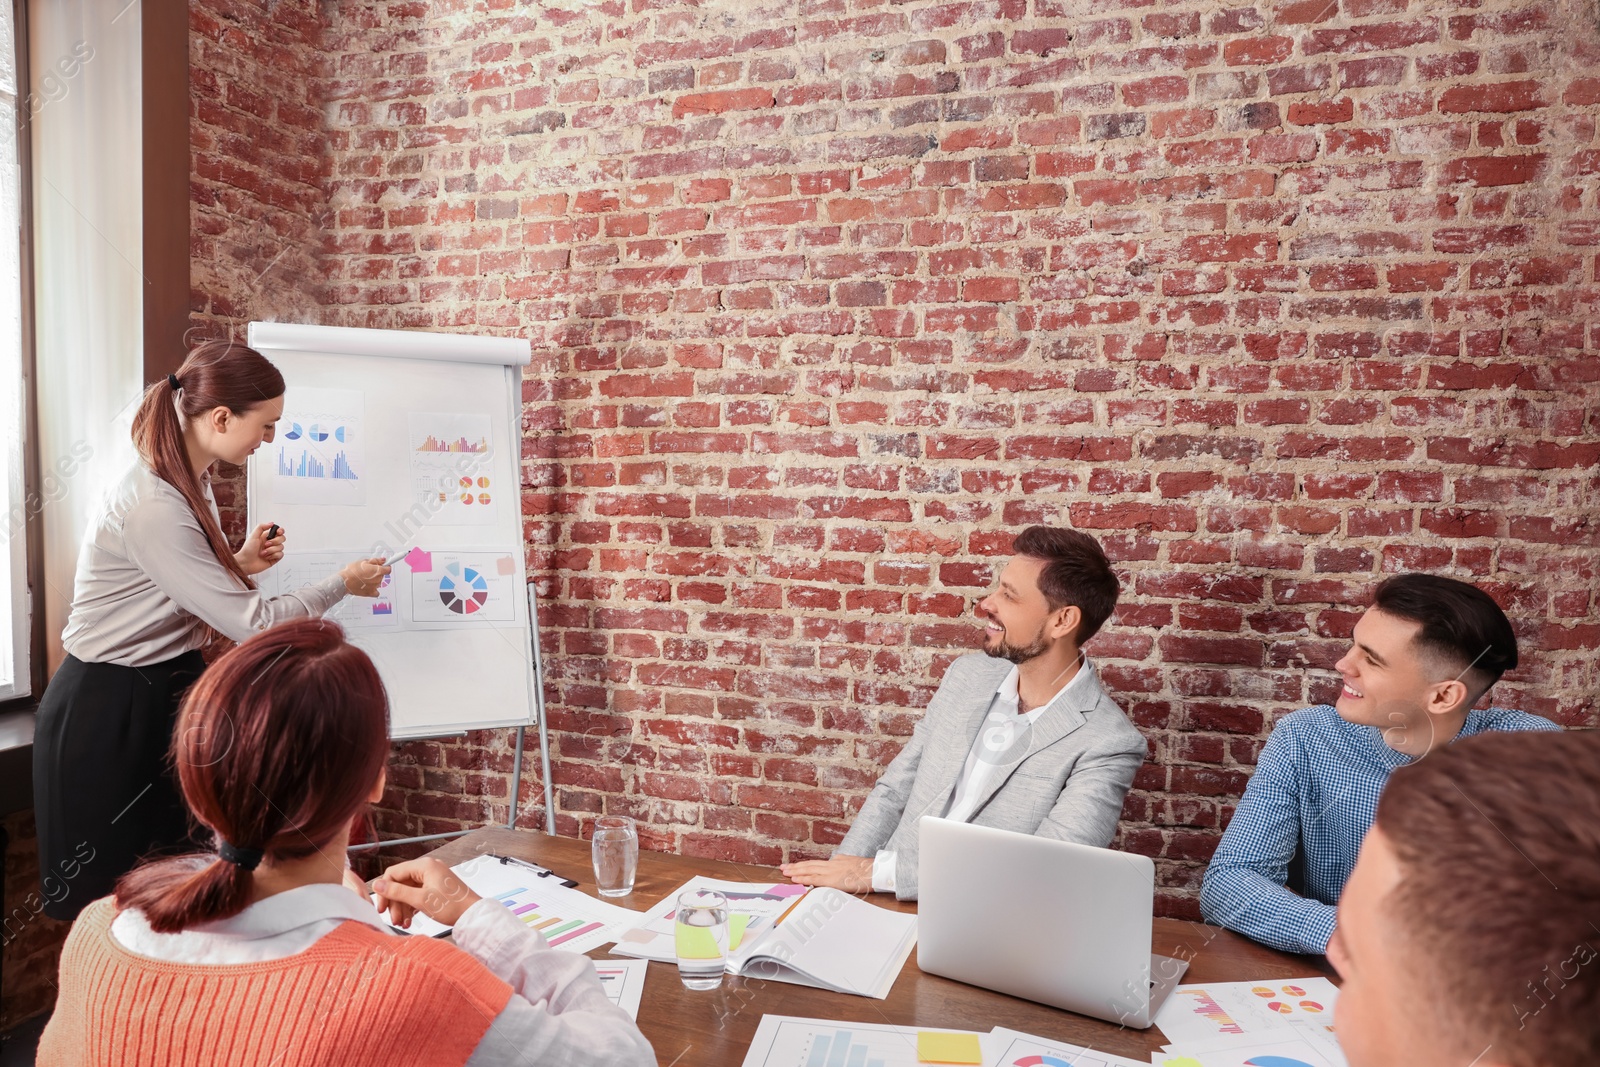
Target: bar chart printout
[
  {"x": 319, "y": 448},
  {"x": 784, "y": 1041},
  {"x": 568, "y": 919},
  {"x": 557, "y": 929},
  {"x": 838, "y": 1050}
]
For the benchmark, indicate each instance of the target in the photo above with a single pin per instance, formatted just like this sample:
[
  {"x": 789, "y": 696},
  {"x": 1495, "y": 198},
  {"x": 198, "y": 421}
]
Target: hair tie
[
  {"x": 248, "y": 858},
  {"x": 172, "y": 380}
]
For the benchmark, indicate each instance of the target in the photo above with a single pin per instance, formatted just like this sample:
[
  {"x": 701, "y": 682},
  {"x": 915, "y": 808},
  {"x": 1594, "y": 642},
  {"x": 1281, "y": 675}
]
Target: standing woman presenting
[{"x": 156, "y": 582}]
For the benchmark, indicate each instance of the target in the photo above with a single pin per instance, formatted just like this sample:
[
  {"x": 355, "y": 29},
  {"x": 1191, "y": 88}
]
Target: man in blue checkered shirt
[{"x": 1423, "y": 654}]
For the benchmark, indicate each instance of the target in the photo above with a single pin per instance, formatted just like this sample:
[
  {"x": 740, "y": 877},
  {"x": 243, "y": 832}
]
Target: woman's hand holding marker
[
  {"x": 364, "y": 576},
  {"x": 262, "y": 548}
]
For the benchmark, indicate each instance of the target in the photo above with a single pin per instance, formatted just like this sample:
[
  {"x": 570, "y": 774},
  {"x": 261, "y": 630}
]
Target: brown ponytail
[
  {"x": 217, "y": 374},
  {"x": 278, "y": 746}
]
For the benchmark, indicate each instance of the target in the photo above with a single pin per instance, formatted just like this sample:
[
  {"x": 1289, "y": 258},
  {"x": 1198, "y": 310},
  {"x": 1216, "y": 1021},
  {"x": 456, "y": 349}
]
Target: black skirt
[{"x": 105, "y": 794}]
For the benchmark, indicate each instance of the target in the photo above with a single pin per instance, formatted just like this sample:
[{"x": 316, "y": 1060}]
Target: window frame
[{"x": 33, "y": 537}]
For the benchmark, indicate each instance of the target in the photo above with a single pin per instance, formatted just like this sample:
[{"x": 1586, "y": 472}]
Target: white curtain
[{"x": 88, "y": 267}]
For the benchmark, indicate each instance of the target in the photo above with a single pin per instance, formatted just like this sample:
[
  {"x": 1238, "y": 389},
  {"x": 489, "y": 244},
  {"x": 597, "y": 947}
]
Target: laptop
[{"x": 1063, "y": 924}]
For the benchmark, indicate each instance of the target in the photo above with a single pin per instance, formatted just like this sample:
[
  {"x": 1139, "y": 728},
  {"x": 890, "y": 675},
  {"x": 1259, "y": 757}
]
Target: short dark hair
[
  {"x": 1462, "y": 626},
  {"x": 1076, "y": 573},
  {"x": 1499, "y": 852}
]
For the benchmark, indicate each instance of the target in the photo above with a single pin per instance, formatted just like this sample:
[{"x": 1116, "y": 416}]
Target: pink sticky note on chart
[{"x": 419, "y": 561}]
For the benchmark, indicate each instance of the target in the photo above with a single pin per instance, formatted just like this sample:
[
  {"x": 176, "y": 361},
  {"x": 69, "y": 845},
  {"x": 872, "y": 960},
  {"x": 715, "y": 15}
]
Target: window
[{"x": 15, "y": 608}]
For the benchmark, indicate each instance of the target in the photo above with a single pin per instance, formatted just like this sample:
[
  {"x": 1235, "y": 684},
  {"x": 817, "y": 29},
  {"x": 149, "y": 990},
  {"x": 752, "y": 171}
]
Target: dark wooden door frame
[{"x": 164, "y": 67}]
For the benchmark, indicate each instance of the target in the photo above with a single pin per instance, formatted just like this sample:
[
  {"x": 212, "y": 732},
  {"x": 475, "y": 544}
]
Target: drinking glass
[
  {"x": 615, "y": 851},
  {"x": 701, "y": 930}
]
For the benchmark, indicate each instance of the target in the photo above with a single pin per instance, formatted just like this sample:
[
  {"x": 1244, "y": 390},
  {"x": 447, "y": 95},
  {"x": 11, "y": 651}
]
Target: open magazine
[{"x": 821, "y": 937}]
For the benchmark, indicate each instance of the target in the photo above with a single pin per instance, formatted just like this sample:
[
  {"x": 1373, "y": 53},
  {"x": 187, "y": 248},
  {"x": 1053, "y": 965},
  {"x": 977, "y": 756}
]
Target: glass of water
[
  {"x": 701, "y": 930},
  {"x": 615, "y": 851}
]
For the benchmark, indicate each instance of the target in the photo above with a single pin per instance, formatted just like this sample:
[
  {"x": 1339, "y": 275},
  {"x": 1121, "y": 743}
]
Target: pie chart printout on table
[
  {"x": 1012, "y": 1048},
  {"x": 1083, "y": 1059}
]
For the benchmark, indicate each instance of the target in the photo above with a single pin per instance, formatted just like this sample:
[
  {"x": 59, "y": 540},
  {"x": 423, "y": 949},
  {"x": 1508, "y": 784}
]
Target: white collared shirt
[
  {"x": 999, "y": 746},
  {"x": 558, "y": 1013}
]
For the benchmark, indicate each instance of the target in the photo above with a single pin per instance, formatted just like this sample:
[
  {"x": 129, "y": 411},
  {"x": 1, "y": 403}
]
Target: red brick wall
[
  {"x": 258, "y": 177},
  {"x": 829, "y": 298},
  {"x": 259, "y": 161}
]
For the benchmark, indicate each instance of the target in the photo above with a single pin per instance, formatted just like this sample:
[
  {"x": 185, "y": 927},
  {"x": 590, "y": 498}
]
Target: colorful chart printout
[
  {"x": 452, "y": 469},
  {"x": 317, "y": 452},
  {"x": 464, "y": 588}
]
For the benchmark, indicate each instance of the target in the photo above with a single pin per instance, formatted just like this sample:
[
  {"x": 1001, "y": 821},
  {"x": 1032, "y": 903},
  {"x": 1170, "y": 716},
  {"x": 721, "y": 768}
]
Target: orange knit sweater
[{"x": 356, "y": 997}]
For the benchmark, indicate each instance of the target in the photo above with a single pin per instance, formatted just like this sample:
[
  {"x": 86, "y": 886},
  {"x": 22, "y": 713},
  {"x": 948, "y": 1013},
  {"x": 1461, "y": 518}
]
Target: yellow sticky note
[
  {"x": 933, "y": 1047},
  {"x": 736, "y": 927},
  {"x": 696, "y": 943}
]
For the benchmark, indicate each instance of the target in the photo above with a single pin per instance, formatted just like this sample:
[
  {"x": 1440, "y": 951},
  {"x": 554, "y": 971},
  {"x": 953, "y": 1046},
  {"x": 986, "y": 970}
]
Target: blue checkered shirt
[{"x": 1310, "y": 802}]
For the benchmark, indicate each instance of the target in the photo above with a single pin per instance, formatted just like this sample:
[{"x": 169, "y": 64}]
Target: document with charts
[
  {"x": 1282, "y": 1048},
  {"x": 821, "y": 937},
  {"x": 1209, "y": 1023},
  {"x": 751, "y": 907},
  {"x": 1012, "y": 1048},
  {"x": 461, "y": 588},
  {"x": 452, "y": 469},
  {"x": 318, "y": 451},
  {"x": 357, "y": 614},
  {"x": 786, "y": 1041},
  {"x": 568, "y": 919},
  {"x": 1218, "y": 1009},
  {"x": 623, "y": 981}
]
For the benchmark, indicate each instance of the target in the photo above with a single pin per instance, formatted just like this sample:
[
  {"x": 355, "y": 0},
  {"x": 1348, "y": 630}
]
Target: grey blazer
[{"x": 1079, "y": 763}]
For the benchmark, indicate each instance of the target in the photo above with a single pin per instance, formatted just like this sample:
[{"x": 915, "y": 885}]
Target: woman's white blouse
[{"x": 148, "y": 583}]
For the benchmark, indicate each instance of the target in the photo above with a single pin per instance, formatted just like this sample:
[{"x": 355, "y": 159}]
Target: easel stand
[{"x": 516, "y": 771}]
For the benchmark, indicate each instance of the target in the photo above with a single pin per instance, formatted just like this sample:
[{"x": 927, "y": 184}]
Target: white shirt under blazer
[{"x": 1067, "y": 782}]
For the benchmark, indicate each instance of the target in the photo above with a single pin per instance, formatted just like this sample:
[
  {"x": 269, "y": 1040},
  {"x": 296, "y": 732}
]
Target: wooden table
[{"x": 714, "y": 1029}]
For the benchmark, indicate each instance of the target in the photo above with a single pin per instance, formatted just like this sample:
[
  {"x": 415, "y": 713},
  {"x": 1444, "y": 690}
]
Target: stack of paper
[{"x": 1283, "y": 1022}]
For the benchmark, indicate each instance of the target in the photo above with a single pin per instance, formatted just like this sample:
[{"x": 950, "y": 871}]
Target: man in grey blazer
[{"x": 1021, "y": 737}]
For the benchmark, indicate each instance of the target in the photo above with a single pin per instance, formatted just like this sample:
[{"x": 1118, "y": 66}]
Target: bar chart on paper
[
  {"x": 841, "y": 1049},
  {"x": 319, "y": 452},
  {"x": 569, "y": 919},
  {"x": 623, "y": 981},
  {"x": 561, "y": 927},
  {"x": 785, "y": 1041}
]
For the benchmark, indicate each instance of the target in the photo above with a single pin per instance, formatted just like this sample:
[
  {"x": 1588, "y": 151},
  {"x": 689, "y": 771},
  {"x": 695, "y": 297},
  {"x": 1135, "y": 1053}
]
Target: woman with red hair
[
  {"x": 257, "y": 954},
  {"x": 156, "y": 582}
]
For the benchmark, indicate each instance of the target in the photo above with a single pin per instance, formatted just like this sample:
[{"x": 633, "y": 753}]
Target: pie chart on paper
[
  {"x": 1276, "y": 1061},
  {"x": 463, "y": 590},
  {"x": 1040, "y": 1061}
]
